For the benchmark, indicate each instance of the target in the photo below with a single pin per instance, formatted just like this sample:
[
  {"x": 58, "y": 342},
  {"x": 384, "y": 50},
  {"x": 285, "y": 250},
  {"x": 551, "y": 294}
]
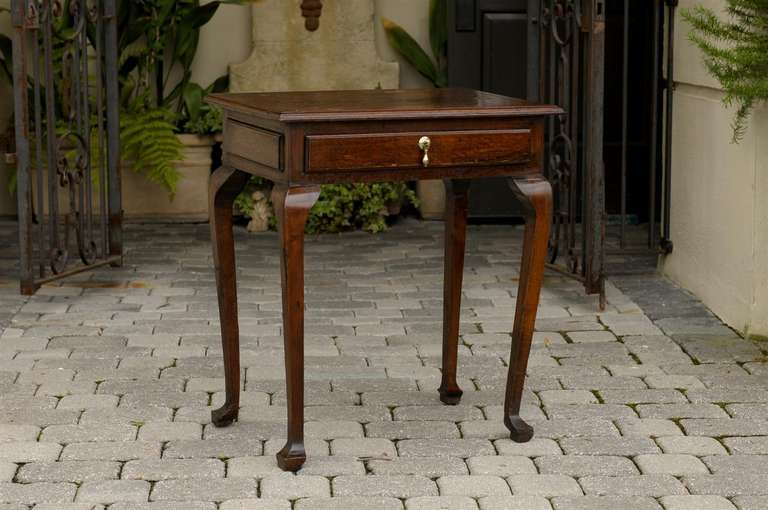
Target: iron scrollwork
[
  {"x": 567, "y": 65},
  {"x": 561, "y": 20},
  {"x": 66, "y": 132}
]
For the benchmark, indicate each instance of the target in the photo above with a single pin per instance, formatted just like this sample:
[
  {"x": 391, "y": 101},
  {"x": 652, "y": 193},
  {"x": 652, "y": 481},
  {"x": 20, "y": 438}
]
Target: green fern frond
[{"x": 149, "y": 141}]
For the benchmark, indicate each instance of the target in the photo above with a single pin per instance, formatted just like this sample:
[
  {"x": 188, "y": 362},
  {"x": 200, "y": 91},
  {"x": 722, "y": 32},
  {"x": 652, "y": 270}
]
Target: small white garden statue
[{"x": 262, "y": 212}]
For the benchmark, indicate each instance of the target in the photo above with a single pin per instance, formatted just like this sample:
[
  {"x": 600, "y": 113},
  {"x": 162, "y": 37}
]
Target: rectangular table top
[{"x": 377, "y": 105}]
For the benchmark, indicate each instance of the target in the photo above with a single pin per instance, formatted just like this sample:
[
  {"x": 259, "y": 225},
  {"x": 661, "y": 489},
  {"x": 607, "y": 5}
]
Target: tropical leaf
[
  {"x": 438, "y": 35},
  {"x": 411, "y": 51}
]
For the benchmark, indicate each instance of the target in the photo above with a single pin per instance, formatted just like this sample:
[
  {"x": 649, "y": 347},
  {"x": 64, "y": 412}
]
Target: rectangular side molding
[{"x": 254, "y": 144}]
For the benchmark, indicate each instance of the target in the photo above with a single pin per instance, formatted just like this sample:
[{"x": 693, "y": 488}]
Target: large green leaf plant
[{"x": 157, "y": 44}]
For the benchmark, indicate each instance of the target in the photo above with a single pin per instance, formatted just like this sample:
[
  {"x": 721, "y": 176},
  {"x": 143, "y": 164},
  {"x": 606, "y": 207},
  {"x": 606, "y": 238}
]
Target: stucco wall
[{"x": 718, "y": 213}]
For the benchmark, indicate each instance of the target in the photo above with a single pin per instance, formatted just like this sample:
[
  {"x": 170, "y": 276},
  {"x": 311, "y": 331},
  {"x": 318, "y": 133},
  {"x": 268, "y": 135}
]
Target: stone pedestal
[{"x": 340, "y": 55}]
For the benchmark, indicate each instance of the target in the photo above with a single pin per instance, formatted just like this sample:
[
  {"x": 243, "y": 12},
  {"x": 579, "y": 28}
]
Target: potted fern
[{"x": 167, "y": 131}]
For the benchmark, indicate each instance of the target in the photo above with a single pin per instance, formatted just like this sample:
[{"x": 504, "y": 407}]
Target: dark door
[{"x": 492, "y": 47}]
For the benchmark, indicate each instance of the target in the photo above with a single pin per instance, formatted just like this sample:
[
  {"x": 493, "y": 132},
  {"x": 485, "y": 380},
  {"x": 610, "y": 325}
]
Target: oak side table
[{"x": 300, "y": 140}]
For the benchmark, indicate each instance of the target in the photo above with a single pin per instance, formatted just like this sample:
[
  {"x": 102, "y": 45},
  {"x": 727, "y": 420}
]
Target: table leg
[
  {"x": 456, "y": 197},
  {"x": 226, "y": 184},
  {"x": 292, "y": 207},
  {"x": 535, "y": 197}
]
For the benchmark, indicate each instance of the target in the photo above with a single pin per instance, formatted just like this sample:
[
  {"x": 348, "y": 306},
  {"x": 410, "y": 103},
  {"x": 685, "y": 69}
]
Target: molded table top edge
[{"x": 396, "y": 104}]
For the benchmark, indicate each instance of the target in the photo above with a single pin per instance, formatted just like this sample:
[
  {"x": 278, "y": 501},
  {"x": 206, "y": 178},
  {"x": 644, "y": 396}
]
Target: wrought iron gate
[
  {"x": 67, "y": 137},
  {"x": 570, "y": 63}
]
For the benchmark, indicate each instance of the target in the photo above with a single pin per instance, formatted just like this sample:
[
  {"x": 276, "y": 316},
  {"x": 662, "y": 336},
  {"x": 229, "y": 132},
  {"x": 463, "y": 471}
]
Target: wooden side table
[{"x": 304, "y": 139}]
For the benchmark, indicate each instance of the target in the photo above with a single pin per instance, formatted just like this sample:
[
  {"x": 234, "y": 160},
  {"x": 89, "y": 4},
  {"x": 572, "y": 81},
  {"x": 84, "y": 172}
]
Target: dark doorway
[
  {"x": 493, "y": 45},
  {"x": 488, "y": 46}
]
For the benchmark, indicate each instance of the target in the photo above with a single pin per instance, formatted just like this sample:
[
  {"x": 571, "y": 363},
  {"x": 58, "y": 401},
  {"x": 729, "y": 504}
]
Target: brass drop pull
[{"x": 424, "y": 144}]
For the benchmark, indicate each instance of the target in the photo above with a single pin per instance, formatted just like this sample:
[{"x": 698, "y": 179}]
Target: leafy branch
[{"x": 735, "y": 53}]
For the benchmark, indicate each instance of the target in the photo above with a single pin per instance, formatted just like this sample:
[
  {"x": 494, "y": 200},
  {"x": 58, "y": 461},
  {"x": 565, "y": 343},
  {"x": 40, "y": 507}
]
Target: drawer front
[
  {"x": 254, "y": 144},
  {"x": 345, "y": 153}
]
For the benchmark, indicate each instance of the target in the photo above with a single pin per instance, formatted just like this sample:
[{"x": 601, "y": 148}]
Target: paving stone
[
  {"x": 169, "y": 431},
  {"x": 751, "y": 502},
  {"x": 213, "y": 448},
  {"x": 10, "y": 432},
  {"x": 81, "y": 402},
  {"x": 687, "y": 382},
  {"x": 735, "y": 464},
  {"x": 441, "y": 503},
  {"x": 67, "y": 471},
  {"x": 205, "y": 489},
  {"x": 170, "y": 505},
  {"x": 724, "y": 427},
  {"x": 437, "y": 413},
  {"x": 678, "y": 411},
  {"x": 500, "y": 465},
  {"x": 255, "y": 504},
  {"x": 586, "y": 412},
  {"x": 67, "y": 506},
  {"x": 642, "y": 485},
  {"x": 745, "y": 445},
  {"x": 388, "y": 486},
  {"x": 333, "y": 466},
  {"x": 728, "y": 485},
  {"x": 696, "y": 503},
  {"x": 96, "y": 433},
  {"x": 333, "y": 429},
  {"x": 43, "y": 492},
  {"x": 514, "y": 503},
  {"x": 592, "y": 336},
  {"x": 253, "y": 467},
  {"x": 314, "y": 447},
  {"x": 728, "y": 395},
  {"x": 698, "y": 446},
  {"x": 7, "y": 471},
  {"x": 290, "y": 486},
  {"x": 624, "y": 446},
  {"x": 432, "y": 467},
  {"x": 132, "y": 416},
  {"x": 28, "y": 451},
  {"x": 745, "y": 411},
  {"x": 413, "y": 430},
  {"x": 348, "y": 503},
  {"x": 364, "y": 448},
  {"x": 534, "y": 448},
  {"x": 586, "y": 465},
  {"x": 544, "y": 485},
  {"x": 462, "y": 448},
  {"x": 605, "y": 503},
  {"x": 648, "y": 427},
  {"x": 552, "y": 397},
  {"x": 475, "y": 486},
  {"x": 640, "y": 396},
  {"x": 670, "y": 464},
  {"x": 156, "y": 469},
  {"x": 112, "y": 491},
  {"x": 111, "y": 450}
]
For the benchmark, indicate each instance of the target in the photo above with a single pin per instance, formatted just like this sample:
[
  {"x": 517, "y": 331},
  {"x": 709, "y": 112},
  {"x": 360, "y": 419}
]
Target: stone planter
[
  {"x": 432, "y": 197},
  {"x": 144, "y": 200}
]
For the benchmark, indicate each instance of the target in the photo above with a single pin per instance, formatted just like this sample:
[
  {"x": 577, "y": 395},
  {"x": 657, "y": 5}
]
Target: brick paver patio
[{"x": 107, "y": 382}]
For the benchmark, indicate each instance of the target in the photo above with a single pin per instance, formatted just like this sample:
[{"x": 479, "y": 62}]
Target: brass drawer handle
[{"x": 424, "y": 144}]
